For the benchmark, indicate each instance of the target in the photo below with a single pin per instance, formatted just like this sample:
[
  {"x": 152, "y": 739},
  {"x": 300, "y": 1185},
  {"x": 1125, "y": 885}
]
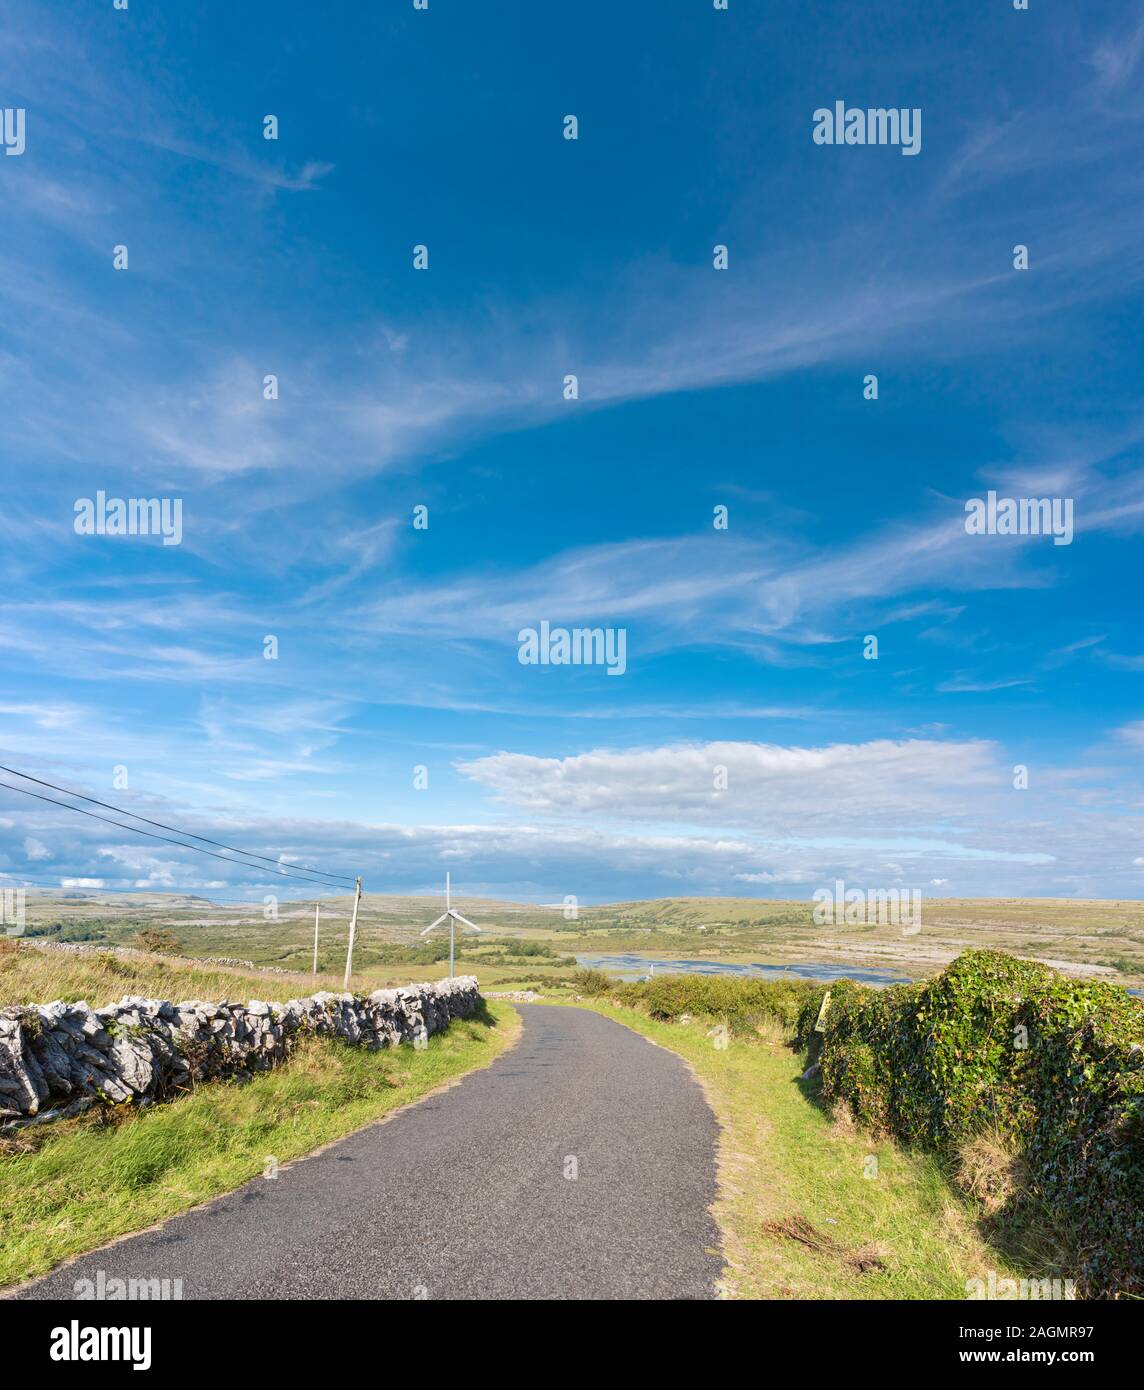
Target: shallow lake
[{"x": 631, "y": 967}]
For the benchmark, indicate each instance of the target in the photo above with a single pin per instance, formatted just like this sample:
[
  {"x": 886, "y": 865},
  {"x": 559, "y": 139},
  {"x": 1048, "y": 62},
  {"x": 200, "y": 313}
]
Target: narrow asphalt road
[{"x": 471, "y": 1193}]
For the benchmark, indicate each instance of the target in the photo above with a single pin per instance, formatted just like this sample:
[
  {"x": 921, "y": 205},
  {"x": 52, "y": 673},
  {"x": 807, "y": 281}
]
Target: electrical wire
[
  {"x": 181, "y": 844},
  {"x": 190, "y": 834}
]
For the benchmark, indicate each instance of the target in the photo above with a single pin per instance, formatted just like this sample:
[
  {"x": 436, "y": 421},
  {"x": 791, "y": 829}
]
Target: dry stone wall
[{"x": 58, "y": 1058}]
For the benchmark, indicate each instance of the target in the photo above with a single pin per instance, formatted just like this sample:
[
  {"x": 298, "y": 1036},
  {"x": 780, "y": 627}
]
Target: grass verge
[
  {"x": 810, "y": 1208},
  {"x": 73, "y": 1186},
  {"x": 29, "y": 975}
]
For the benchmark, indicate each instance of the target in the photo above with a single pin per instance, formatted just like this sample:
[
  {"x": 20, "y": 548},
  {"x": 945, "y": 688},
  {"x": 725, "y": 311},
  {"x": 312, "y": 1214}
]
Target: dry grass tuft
[
  {"x": 772, "y": 1032},
  {"x": 842, "y": 1122},
  {"x": 991, "y": 1171},
  {"x": 31, "y": 975},
  {"x": 798, "y": 1228}
]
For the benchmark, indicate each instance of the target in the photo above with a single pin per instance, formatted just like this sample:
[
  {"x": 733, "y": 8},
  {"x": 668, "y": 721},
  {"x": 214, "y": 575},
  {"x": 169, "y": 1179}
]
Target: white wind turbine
[{"x": 452, "y": 916}]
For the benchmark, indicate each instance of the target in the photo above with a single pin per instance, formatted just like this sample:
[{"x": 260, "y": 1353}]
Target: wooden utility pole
[
  {"x": 353, "y": 933},
  {"x": 316, "y": 905}
]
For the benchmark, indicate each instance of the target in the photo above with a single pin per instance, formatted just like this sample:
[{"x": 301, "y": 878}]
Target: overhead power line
[
  {"x": 190, "y": 834},
  {"x": 181, "y": 844}
]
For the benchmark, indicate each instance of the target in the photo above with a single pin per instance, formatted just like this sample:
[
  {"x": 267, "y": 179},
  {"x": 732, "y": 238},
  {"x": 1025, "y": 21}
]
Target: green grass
[
  {"x": 782, "y": 1156},
  {"x": 70, "y": 1187}
]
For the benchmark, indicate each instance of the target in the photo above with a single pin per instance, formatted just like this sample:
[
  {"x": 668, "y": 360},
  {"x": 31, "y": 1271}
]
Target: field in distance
[{"x": 524, "y": 944}]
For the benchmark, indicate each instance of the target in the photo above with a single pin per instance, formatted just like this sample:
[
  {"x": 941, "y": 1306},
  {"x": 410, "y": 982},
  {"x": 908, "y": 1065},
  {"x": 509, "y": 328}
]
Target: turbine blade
[
  {"x": 466, "y": 921},
  {"x": 443, "y": 918}
]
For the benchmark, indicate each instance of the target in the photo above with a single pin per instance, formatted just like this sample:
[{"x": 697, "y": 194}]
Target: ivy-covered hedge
[{"x": 1057, "y": 1064}]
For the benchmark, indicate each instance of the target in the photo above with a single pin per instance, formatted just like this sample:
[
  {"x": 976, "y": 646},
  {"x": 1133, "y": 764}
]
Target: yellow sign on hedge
[{"x": 820, "y": 1023}]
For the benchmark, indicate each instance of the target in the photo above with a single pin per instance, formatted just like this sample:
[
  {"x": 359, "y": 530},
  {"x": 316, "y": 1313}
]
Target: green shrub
[
  {"x": 592, "y": 982},
  {"x": 1053, "y": 1064},
  {"x": 113, "y": 964},
  {"x": 743, "y": 1004},
  {"x": 159, "y": 941},
  {"x": 528, "y": 948}
]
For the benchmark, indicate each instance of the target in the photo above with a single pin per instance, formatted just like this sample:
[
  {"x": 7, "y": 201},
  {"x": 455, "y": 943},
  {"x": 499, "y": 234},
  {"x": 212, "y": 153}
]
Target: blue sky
[{"x": 444, "y": 388}]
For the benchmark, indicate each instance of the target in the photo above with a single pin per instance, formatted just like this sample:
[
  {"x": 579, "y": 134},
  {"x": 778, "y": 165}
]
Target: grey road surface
[{"x": 465, "y": 1196}]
